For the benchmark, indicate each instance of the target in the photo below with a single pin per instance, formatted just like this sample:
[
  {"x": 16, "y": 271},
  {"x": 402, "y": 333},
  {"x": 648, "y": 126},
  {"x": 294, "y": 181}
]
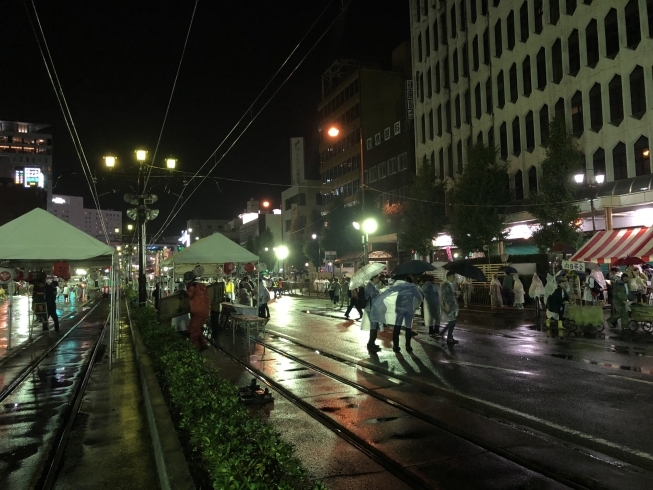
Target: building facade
[
  {"x": 497, "y": 71},
  {"x": 201, "y": 228},
  {"x": 71, "y": 210},
  {"x": 369, "y": 108},
  {"x": 26, "y": 156}
]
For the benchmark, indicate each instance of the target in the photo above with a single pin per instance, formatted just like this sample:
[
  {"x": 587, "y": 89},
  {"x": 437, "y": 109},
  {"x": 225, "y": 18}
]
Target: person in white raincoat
[
  {"x": 519, "y": 292},
  {"x": 537, "y": 287},
  {"x": 449, "y": 306},
  {"x": 496, "y": 298},
  {"x": 396, "y": 306},
  {"x": 431, "y": 292}
]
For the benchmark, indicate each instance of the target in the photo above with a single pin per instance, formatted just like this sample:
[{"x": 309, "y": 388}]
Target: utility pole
[{"x": 141, "y": 214}]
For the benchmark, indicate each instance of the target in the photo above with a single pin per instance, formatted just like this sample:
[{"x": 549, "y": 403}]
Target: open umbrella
[
  {"x": 365, "y": 273},
  {"x": 565, "y": 272},
  {"x": 629, "y": 260},
  {"x": 415, "y": 267},
  {"x": 508, "y": 270},
  {"x": 466, "y": 269},
  {"x": 592, "y": 266}
]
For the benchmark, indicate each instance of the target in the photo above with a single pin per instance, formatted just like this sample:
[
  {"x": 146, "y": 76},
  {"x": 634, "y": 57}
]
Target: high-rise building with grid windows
[{"x": 497, "y": 71}]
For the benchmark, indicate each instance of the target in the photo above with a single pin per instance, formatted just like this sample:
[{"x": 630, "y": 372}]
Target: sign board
[
  {"x": 330, "y": 255},
  {"x": 573, "y": 266},
  {"x": 410, "y": 110},
  {"x": 177, "y": 304},
  {"x": 297, "y": 169}
]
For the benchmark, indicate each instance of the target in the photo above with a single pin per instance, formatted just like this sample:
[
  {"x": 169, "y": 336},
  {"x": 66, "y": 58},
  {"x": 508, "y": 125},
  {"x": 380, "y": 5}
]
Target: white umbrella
[{"x": 365, "y": 273}]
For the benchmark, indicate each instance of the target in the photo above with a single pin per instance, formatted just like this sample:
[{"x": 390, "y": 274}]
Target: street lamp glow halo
[
  {"x": 110, "y": 161},
  {"x": 282, "y": 252},
  {"x": 579, "y": 178},
  {"x": 171, "y": 163},
  {"x": 600, "y": 178},
  {"x": 356, "y": 225},
  {"x": 141, "y": 155},
  {"x": 370, "y": 225},
  {"x": 333, "y": 131}
]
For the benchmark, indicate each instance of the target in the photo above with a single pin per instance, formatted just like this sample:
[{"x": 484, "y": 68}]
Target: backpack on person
[{"x": 594, "y": 286}]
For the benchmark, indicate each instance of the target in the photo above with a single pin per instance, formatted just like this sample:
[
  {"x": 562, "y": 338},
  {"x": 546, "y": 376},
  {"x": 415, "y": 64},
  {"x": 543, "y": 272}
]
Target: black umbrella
[
  {"x": 415, "y": 267},
  {"x": 467, "y": 270},
  {"x": 508, "y": 270}
]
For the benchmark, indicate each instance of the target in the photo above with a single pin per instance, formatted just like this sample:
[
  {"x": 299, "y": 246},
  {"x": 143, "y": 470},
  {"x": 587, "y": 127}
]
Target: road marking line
[
  {"x": 462, "y": 363},
  {"x": 631, "y": 379}
]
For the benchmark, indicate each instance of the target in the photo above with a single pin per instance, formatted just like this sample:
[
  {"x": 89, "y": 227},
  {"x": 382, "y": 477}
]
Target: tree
[
  {"x": 424, "y": 213},
  {"x": 312, "y": 246},
  {"x": 250, "y": 245},
  {"x": 553, "y": 205},
  {"x": 478, "y": 198},
  {"x": 263, "y": 241},
  {"x": 338, "y": 234}
]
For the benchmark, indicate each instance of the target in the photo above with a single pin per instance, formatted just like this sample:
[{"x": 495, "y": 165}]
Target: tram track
[
  {"x": 54, "y": 384},
  {"x": 404, "y": 472}
]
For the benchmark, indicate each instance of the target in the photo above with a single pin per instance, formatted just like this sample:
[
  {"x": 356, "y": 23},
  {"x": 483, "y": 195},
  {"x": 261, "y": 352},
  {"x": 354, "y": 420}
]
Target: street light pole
[
  {"x": 142, "y": 289},
  {"x": 598, "y": 179}
]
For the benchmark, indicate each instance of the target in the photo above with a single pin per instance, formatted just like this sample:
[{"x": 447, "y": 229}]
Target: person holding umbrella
[{"x": 449, "y": 306}]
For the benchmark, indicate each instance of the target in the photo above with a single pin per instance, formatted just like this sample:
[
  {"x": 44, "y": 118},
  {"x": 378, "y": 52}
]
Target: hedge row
[{"x": 234, "y": 448}]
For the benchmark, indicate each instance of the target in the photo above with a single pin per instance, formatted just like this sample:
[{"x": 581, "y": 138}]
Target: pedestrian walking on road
[
  {"x": 39, "y": 303},
  {"x": 263, "y": 300},
  {"x": 619, "y": 302},
  {"x": 344, "y": 294},
  {"x": 371, "y": 291},
  {"x": 431, "y": 293},
  {"x": 156, "y": 295},
  {"x": 408, "y": 299},
  {"x": 496, "y": 296},
  {"x": 200, "y": 309},
  {"x": 337, "y": 289},
  {"x": 449, "y": 306},
  {"x": 556, "y": 303},
  {"x": 50, "y": 301},
  {"x": 519, "y": 292},
  {"x": 66, "y": 293},
  {"x": 354, "y": 303}
]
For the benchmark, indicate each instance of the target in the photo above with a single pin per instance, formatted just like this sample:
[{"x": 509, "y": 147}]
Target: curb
[{"x": 172, "y": 467}]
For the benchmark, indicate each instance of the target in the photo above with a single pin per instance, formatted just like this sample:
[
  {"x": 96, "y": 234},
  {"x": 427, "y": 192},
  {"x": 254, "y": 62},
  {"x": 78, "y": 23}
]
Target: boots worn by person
[
  {"x": 371, "y": 343},
  {"x": 395, "y": 338},
  {"x": 409, "y": 336}
]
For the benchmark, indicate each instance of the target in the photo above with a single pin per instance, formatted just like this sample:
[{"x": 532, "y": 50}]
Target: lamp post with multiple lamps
[
  {"x": 367, "y": 227},
  {"x": 141, "y": 214},
  {"x": 597, "y": 181}
]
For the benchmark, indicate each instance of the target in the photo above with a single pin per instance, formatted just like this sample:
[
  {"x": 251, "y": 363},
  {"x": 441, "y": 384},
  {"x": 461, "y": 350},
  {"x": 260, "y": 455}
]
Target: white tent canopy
[
  {"x": 40, "y": 236},
  {"x": 209, "y": 251}
]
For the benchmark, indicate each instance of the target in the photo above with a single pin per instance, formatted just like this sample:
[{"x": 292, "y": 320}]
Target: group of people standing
[
  {"x": 395, "y": 306},
  {"x": 509, "y": 292}
]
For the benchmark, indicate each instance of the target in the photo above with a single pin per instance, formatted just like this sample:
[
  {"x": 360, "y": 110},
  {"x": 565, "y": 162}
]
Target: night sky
[{"x": 117, "y": 60}]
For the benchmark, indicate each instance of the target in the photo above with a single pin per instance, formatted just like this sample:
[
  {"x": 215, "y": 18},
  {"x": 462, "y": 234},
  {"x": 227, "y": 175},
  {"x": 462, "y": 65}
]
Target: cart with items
[
  {"x": 641, "y": 316},
  {"x": 584, "y": 317}
]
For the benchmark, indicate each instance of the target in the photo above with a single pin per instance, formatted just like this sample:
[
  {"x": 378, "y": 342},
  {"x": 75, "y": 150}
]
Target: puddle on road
[
  {"x": 330, "y": 409},
  {"x": 604, "y": 364},
  {"x": 381, "y": 420}
]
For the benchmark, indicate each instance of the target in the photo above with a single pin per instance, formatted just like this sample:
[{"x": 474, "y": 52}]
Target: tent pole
[
  {"x": 111, "y": 316},
  {"x": 10, "y": 310}
]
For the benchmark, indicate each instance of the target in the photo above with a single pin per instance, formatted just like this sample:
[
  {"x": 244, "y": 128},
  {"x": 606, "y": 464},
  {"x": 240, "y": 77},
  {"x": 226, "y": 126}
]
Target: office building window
[
  {"x": 616, "y": 101},
  {"x": 447, "y": 116},
  {"x": 468, "y": 107},
  {"x": 510, "y": 27},
  {"x": 402, "y": 161},
  {"x": 530, "y": 132},
  {"x": 382, "y": 170},
  {"x": 503, "y": 141},
  {"x": 445, "y": 65},
  {"x": 539, "y": 16},
  {"x": 475, "y": 62},
  {"x": 611, "y": 34},
  {"x": 457, "y": 109},
  {"x": 541, "y": 69},
  {"x": 488, "y": 96},
  {"x": 459, "y": 154},
  {"x": 637, "y": 93},
  {"x": 523, "y": 22},
  {"x": 577, "y": 114},
  {"x": 554, "y": 11},
  {"x": 574, "y": 53},
  {"x": 465, "y": 53},
  {"x": 598, "y": 160},
  {"x": 455, "y": 66},
  {"x": 560, "y": 108},
  {"x": 642, "y": 157},
  {"x": 619, "y": 162},
  {"x": 544, "y": 125},
  {"x": 450, "y": 161},
  {"x": 556, "y": 55},
  {"x": 633, "y": 28},
  {"x": 477, "y": 100},
  {"x": 532, "y": 181},
  {"x": 441, "y": 163},
  {"x": 516, "y": 137},
  {"x": 486, "y": 47},
  {"x": 436, "y": 40},
  {"x": 453, "y": 21},
  {"x": 592, "y": 43},
  {"x": 437, "y": 77},
  {"x": 596, "y": 108},
  {"x": 429, "y": 84},
  {"x": 519, "y": 186},
  {"x": 431, "y": 124},
  {"x": 526, "y": 76},
  {"x": 498, "y": 42},
  {"x": 501, "y": 95},
  {"x": 439, "y": 120},
  {"x": 514, "y": 91}
]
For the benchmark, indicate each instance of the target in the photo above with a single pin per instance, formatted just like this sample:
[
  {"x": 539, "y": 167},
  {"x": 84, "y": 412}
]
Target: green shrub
[{"x": 236, "y": 449}]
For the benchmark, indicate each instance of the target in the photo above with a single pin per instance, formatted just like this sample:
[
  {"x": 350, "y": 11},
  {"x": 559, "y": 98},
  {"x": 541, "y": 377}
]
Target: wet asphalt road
[{"x": 592, "y": 390}]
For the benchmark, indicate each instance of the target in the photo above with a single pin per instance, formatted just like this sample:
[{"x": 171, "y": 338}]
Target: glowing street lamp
[
  {"x": 141, "y": 155},
  {"x": 171, "y": 163},
  {"x": 282, "y": 253},
  {"x": 333, "y": 132},
  {"x": 368, "y": 226},
  {"x": 110, "y": 161},
  {"x": 130, "y": 227}
]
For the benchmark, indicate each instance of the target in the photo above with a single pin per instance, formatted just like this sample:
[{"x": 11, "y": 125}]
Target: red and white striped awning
[{"x": 606, "y": 246}]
